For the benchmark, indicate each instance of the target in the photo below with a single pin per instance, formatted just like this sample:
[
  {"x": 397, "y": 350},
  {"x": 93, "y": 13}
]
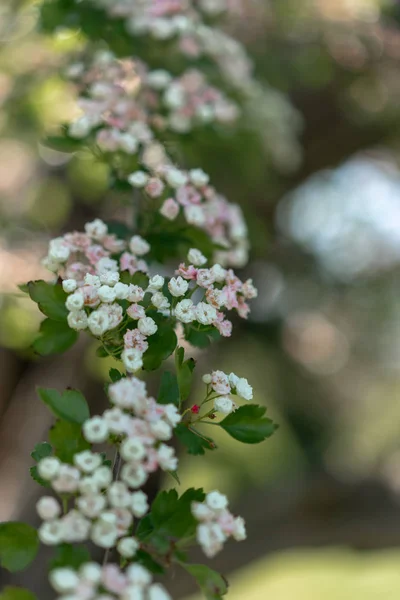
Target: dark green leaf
[
  {"x": 172, "y": 516},
  {"x": 34, "y": 473},
  {"x": 50, "y": 298},
  {"x": 201, "y": 337},
  {"x": 145, "y": 559},
  {"x": 62, "y": 143},
  {"x": 55, "y": 338},
  {"x": 24, "y": 288},
  {"x": 121, "y": 230},
  {"x": 145, "y": 528},
  {"x": 101, "y": 352},
  {"x": 138, "y": 278},
  {"x": 184, "y": 371},
  {"x": 169, "y": 390},
  {"x": 41, "y": 450},
  {"x": 68, "y": 555},
  {"x": 161, "y": 346},
  {"x": 211, "y": 583},
  {"x": 70, "y": 406},
  {"x": 67, "y": 440},
  {"x": 195, "y": 443},
  {"x": 19, "y": 544},
  {"x": 247, "y": 424},
  {"x": 115, "y": 375},
  {"x": 16, "y": 593}
]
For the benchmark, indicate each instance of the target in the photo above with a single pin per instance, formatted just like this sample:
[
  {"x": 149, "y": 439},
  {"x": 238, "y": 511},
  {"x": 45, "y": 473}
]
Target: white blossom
[
  {"x": 224, "y": 405},
  {"x": 48, "y": 508},
  {"x": 77, "y": 320},
  {"x": 138, "y": 179},
  {"x": 184, "y": 311},
  {"x": 69, "y": 285},
  {"x": 95, "y": 430},
  {"x": 147, "y": 326},
  {"x": 132, "y": 359},
  {"x": 49, "y": 467},
  {"x": 178, "y": 286},
  {"x": 205, "y": 314},
  {"x": 196, "y": 257},
  {"x": 63, "y": 580},
  {"x": 127, "y": 547},
  {"x": 139, "y": 504},
  {"x": 139, "y": 246}
]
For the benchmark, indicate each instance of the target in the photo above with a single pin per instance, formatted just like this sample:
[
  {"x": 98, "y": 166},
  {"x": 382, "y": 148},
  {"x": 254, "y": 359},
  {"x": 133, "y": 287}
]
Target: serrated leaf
[
  {"x": 34, "y": 473},
  {"x": 115, "y": 375},
  {"x": 41, "y": 450},
  {"x": 211, "y": 583},
  {"x": 161, "y": 346},
  {"x": 55, "y": 338},
  {"x": 16, "y": 593},
  {"x": 19, "y": 544},
  {"x": 68, "y": 555},
  {"x": 247, "y": 424},
  {"x": 71, "y": 405},
  {"x": 50, "y": 299},
  {"x": 169, "y": 390},
  {"x": 196, "y": 443},
  {"x": 172, "y": 516},
  {"x": 67, "y": 440}
]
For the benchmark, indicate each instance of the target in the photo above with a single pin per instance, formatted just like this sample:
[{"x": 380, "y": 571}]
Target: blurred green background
[{"x": 322, "y": 346}]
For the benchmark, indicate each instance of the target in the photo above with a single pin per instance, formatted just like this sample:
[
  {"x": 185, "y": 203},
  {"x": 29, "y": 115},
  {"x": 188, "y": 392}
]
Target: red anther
[{"x": 195, "y": 409}]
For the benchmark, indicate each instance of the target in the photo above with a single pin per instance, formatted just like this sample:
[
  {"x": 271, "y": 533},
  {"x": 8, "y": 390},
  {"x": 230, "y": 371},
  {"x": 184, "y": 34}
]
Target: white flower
[
  {"x": 220, "y": 382},
  {"x": 67, "y": 480},
  {"x": 49, "y": 467},
  {"x": 198, "y": 177},
  {"x": 69, "y": 285},
  {"x": 172, "y": 415},
  {"x": 118, "y": 495},
  {"x": 244, "y": 389},
  {"x": 104, "y": 532},
  {"x": 147, "y": 326},
  {"x": 139, "y": 246},
  {"x": 132, "y": 359},
  {"x": 248, "y": 290},
  {"x": 175, "y": 178},
  {"x": 224, "y": 405},
  {"x": 103, "y": 476},
  {"x": 121, "y": 290},
  {"x": 116, "y": 419},
  {"x": 161, "y": 430},
  {"x": 87, "y": 461},
  {"x": 216, "y": 501},
  {"x": 233, "y": 379},
  {"x": 178, "y": 286},
  {"x": 138, "y": 575},
  {"x": 205, "y": 278},
  {"x": 77, "y": 320},
  {"x": 184, "y": 311},
  {"x": 107, "y": 294},
  {"x": 58, "y": 250},
  {"x": 205, "y": 314},
  {"x": 48, "y": 508},
  {"x": 139, "y": 504},
  {"x": 95, "y": 430},
  {"x": 169, "y": 209},
  {"x": 63, "y": 580},
  {"x": 158, "y": 79},
  {"x": 160, "y": 301},
  {"x": 128, "y": 143},
  {"x": 51, "y": 533},
  {"x": 207, "y": 378},
  {"x": 195, "y": 215},
  {"x": 134, "y": 476},
  {"x": 91, "y": 505},
  {"x": 138, "y": 179},
  {"x": 97, "y": 229},
  {"x": 202, "y": 512},
  {"x": 92, "y": 280},
  {"x": 219, "y": 273},
  {"x": 80, "y": 128},
  {"x": 132, "y": 450},
  {"x": 211, "y": 538},
  {"x": 196, "y": 257},
  {"x": 167, "y": 458},
  {"x": 91, "y": 572},
  {"x": 106, "y": 264},
  {"x": 109, "y": 278},
  {"x": 135, "y": 294},
  {"x": 155, "y": 283},
  {"x": 88, "y": 486},
  {"x": 239, "y": 532},
  {"x": 127, "y": 547},
  {"x": 98, "y": 322},
  {"x": 157, "y": 592}
]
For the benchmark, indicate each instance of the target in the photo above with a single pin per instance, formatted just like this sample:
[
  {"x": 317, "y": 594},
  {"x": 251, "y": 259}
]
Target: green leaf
[
  {"x": 211, "y": 583},
  {"x": 19, "y": 544},
  {"x": 145, "y": 528},
  {"x": 115, "y": 375},
  {"x": 145, "y": 559},
  {"x": 172, "y": 516},
  {"x": 184, "y": 371},
  {"x": 62, "y": 143},
  {"x": 195, "y": 442},
  {"x": 169, "y": 390},
  {"x": 41, "y": 450},
  {"x": 67, "y": 440},
  {"x": 55, "y": 338},
  {"x": 247, "y": 424},
  {"x": 161, "y": 346},
  {"x": 34, "y": 473},
  {"x": 24, "y": 288},
  {"x": 101, "y": 352},
  {"x": 16, "y": 593},
  {"x": 201, "y": 337},
  {"x": 70, "y": 406},
  {"x": 68, "y": 555},
  {"x": 50, "y": 298},
  {"x": 138, "y": 278}
]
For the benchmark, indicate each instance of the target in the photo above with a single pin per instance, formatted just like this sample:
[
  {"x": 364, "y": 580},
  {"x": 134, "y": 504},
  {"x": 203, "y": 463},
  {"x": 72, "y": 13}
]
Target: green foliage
[
  {"x": 211, "y": 583},
  {"x": 70, "y": 405},
  {"x": 138, "y": 278},
  {"x": 67, "y": 440},
  {"x": 170, "y": 517},
  {"x": 19, "y": 544},
  {"x": 115, "y": 375},
  {"x": 169, "y": 390},
  {"x": 145, "y": 559},
  {"x": 247, "y": 424},
  {"x": 16, "y": 593},
  {"x": 40, "y": 451},
  {"x": 161, "y": 345},
  {"x": 201, "y": 336},
  {"x": 55, "y": 338},
  {"x": 184, "y": 369},
  {"x": 62, "y": 143},
  {"x": 50, "y": 299},
  {"x": 68, "y": 555},
  {"x": 195, "y": 442}
]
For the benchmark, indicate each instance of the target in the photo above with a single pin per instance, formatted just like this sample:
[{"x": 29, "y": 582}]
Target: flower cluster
[
  {"x": 216, "y": 523},
  {"x": 125, "y": 103},
  {"x": 106, "y": 583},
  {"x": 223, "y": 386},
  {"x": 104, "y": 510}
]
